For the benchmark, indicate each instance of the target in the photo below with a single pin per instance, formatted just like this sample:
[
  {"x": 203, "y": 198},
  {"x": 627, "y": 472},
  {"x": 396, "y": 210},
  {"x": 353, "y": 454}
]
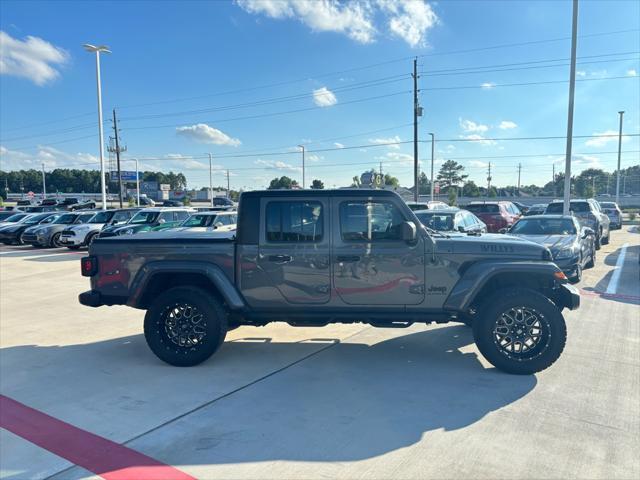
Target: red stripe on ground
[
  {"x": 597, "y": 293},
  {"x": 103, "y": 457}
]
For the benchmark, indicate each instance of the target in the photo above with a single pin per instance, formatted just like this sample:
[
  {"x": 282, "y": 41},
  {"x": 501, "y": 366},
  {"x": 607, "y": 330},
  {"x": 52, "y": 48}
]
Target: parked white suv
[{"x": 77, "y": 236}]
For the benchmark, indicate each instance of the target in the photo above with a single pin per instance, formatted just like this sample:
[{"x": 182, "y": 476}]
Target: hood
[
  {"x": 552, "y": 242},
  {"x": 82, "y": 227},
  {"x": 492, "y": 245}
]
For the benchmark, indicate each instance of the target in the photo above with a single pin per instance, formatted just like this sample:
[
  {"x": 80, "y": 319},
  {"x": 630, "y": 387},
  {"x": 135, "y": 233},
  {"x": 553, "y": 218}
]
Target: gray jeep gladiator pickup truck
[{"x": 310, "y": 258}]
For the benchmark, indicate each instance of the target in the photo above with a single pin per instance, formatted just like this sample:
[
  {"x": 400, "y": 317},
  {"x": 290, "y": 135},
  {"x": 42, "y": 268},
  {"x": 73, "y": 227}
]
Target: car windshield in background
[
  {"x": 16, "y": 217},
  {"x": 101, "y": 217},
  {"x": 144, "y": 217},
  {"x": 39, "y": 218},
  {"x": 483, "y": 208},
  {"x": 544, "y": 226},
  {"x": 436, "y": 221},
  {"x": 198, "y": 221},
  {"x": 83, "y": 218},
  {"x": 579, "y": 207},
  {"x": 65, "y": 219}
]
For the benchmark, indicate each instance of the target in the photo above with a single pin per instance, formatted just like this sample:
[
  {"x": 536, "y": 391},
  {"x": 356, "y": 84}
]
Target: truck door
[
  {"x": 294, "y": 249},
  {"x": 372, "y": 265}
]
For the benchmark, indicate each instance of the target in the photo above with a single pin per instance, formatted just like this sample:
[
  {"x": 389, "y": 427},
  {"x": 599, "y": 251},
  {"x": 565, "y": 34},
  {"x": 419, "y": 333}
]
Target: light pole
[
  {"x": 98, "y": 50},
  {"x": 303, "y": 183},
  {"x": 44, "y": 184},
  {"x": 210, "y": 181},
  {"x": 433, "y": 143},
  {"x": 621, "y": 113},
  {"x": 572, "y": 87}
]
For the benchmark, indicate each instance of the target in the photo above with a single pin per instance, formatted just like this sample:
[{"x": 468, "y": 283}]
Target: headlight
[
  {"x": 565, "y": 253},
  {"x": 126, "y": 231}
]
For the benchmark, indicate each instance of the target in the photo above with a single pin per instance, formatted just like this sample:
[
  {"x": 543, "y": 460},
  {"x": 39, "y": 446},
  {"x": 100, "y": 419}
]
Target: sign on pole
[{"x": 126, "y": 176}]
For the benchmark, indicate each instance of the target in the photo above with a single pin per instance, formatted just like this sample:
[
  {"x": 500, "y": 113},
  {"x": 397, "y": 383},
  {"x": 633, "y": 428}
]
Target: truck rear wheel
[
  {"x": 185, "y": 326},
  {"x": 520, "y": 331}
]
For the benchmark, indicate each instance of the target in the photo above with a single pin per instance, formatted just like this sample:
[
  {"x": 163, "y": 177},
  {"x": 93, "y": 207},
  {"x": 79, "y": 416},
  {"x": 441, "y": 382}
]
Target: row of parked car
[
  {"x": 78, "y": 229},
  {"x": 573, "y": 240}
]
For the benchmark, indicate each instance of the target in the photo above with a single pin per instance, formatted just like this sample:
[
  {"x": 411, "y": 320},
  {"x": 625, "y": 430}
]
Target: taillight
[{"x": 89, "y": 266}]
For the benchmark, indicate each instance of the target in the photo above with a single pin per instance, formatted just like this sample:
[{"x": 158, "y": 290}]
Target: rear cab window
[{"x": 294, "y": 221}]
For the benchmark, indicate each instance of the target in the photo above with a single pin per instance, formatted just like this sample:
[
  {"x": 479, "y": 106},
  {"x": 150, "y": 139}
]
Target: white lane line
[{"x": 612, "y": 288}]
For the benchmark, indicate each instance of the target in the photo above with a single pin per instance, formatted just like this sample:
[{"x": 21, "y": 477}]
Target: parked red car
[{"x": 497, "y": 215}]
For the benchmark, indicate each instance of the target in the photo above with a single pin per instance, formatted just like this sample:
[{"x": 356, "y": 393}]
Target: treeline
[{"x": 66, "y": 180}]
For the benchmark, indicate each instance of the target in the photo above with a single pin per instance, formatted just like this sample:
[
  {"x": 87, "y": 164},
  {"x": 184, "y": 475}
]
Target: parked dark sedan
[
  {"x": 451, "y": 220},
  {"x": 572, "y": 246},
  {"x": 12, "y": 235},
  {"x": 537, "y": 209}
]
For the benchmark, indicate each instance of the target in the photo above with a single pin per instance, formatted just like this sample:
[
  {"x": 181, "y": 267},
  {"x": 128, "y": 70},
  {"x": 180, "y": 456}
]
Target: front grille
[
  {"x": 29, "y": 237},
  {"x": 68, "y": 233}
]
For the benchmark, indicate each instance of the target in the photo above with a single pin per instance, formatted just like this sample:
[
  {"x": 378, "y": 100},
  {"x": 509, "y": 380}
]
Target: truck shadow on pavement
[{"x": 260, "y": 400}]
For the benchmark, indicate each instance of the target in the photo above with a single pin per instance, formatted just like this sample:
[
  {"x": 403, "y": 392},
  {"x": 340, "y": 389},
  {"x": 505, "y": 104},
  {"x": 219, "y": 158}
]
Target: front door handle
[
  {"x": 348, "y": 258},
  {"x": 280, "y": 258}
]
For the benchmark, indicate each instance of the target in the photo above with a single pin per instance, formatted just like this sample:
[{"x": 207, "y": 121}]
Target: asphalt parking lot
[{"x": 289, "y": 403}]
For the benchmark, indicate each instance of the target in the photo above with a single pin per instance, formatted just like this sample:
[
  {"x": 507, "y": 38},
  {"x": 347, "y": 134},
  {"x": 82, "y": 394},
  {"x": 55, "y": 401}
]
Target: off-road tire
[
  {"x": 552, "y": 331},
  {"x": 160, "y": 322}
]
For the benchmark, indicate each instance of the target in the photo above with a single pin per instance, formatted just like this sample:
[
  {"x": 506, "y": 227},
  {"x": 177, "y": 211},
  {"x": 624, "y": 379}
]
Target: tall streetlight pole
[
  {"x": 572, "y": 87},
  {"x": 98, "y": 50},
  {"x": 433, "y": 143},
  {"x": 621, "y": 113},
  {"x": 210, "y": 181},
  {"x": 303, "y": 181}
]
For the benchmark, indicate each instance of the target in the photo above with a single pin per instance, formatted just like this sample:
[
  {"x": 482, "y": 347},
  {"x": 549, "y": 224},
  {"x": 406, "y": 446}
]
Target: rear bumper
[
  {"x": 93, "y": 298},
  {"x": 570, "y": 296}
]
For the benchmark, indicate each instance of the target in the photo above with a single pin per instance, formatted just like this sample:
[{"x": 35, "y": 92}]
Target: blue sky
[{"x": 248, "y": 81}]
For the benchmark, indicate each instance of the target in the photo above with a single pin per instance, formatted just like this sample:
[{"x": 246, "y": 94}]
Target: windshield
[
  {"x": 102, "y": 217},
  {"x": 16, "y": 217},
  {"x": 144, "y": 217},
  {"x": 574, "y": 207},
  {"x": 84, "y": 218},
  {"x": 437, "y": 221},
  {"x": 544, "y": 226},
  {"x": 199, "y": 221},
  {"x": 66, "y": 219},
  {"x": 39, "y": 218},
  {"x": 484, "y": 208}
]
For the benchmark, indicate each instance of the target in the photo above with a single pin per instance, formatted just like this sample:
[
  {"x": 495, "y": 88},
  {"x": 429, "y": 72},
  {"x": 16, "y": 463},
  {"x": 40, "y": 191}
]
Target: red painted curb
[{"x": 103, "y": 457}]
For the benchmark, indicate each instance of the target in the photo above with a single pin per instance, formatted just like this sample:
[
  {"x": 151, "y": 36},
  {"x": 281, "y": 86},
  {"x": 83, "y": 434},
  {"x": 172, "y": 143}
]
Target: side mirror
[
  {"x": 161, "y": 221},
  {"x": 218, "y": 224},
  {"x": 586, "y": 232},
  {"x": 408, "y": 231},
  {"x": 503, "y": 230},
  {"x": 461, "y": 229}
]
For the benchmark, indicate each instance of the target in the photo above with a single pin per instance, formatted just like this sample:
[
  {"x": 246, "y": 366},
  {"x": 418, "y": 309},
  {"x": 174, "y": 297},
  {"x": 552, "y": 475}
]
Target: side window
[
  {"x": 294, "y": 222},
  {"x": 234, "y": 219},
  {"x": 370, "y": 221},
  {"x": 121, "y": 217},
  {"x": 468, "y": 219},
  {"x": 182, "y": 216},
  {"x": 166, "y": 216}
]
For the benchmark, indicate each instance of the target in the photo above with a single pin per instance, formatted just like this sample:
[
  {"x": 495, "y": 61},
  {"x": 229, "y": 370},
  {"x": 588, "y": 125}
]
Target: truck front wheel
[
  {"x": 520, "y": 331},
  {"x": 185, "y": 326}
]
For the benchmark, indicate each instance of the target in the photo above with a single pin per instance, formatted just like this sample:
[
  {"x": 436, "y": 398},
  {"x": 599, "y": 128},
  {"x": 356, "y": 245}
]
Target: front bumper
[
  {"x": 569, "y": 266},
  {"x": 570, "y": 296},
  {"x": 9, "y": 237},
  {"x": 71, "y": 238},
  {"x": 34, "y": 239}
]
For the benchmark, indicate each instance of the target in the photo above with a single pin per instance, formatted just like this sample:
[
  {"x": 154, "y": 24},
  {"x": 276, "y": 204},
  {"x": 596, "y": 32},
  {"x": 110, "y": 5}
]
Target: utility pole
[
  {"x": 417, "y": 111},
  {"x": 621, "y": 113},
  {"x": 572, "y": 87},
  {"x": 303, "y": 182},
  {"x": 228, "y": 189},
  {"x": 44, "y": 184},
  {"x": 137, "y": 184},
  {"x": 210, "y": 181},
  {"x": 433, "y": 149},
  {"x": 553, "y": 179},
  {"x": 117, "y": 151},
  {"x": 519, "y": 170},
  {"x": 489, "y": 179}
]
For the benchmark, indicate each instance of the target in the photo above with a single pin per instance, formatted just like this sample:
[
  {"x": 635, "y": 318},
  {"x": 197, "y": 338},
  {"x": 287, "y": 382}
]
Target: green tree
[
  {"x": 317, "y": 184},
  {"x": 470, "y": 189},
  {"x": 492, "y": 193},
  {"x": 391, "y": 181},
  {"x": 283, "y": 182},
  {"x": 424, "y": 185},
  {"x": 451, "y": 174},
  {"x": 453, "y": 197}
]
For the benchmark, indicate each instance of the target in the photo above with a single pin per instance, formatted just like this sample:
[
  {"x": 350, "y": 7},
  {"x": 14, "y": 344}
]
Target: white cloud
[
  {"x": 409, "y": 20},
  {"x": 32, "y": 58},
  {"x": 478, "y": 139},
  {"x": 632, "y": 73},
  {"x": 469, "y": 126},
  {"x": 581, "y": 73},
  {"x": 338, "y": 145},
  {"x": 478, "y": 164},
  {"x": 278, "y": 165},
  {"x": 51, "y": 157},
  {"x": 603, "y": 138},
  {"x": 488, "y": 85},
  {"x": 313, "y": 157},
  {"x": 507, "y": 125},
  {"x": 391, "y": 140},
  {"x": 323, "y": 97},
  {"x": 403, "y": 158},
  {"x": 203, "y": 133}
]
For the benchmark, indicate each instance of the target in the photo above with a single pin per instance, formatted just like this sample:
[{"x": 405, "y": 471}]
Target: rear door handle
[
  {"x": 348, "y": 258},
  {"x": 280, "y": 258}
]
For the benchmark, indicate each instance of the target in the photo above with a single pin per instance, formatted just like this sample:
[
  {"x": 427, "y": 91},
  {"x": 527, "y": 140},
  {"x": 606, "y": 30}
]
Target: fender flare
[
  {"x": 477, "y": 275},
  {"x": 211, "y": 271}
]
